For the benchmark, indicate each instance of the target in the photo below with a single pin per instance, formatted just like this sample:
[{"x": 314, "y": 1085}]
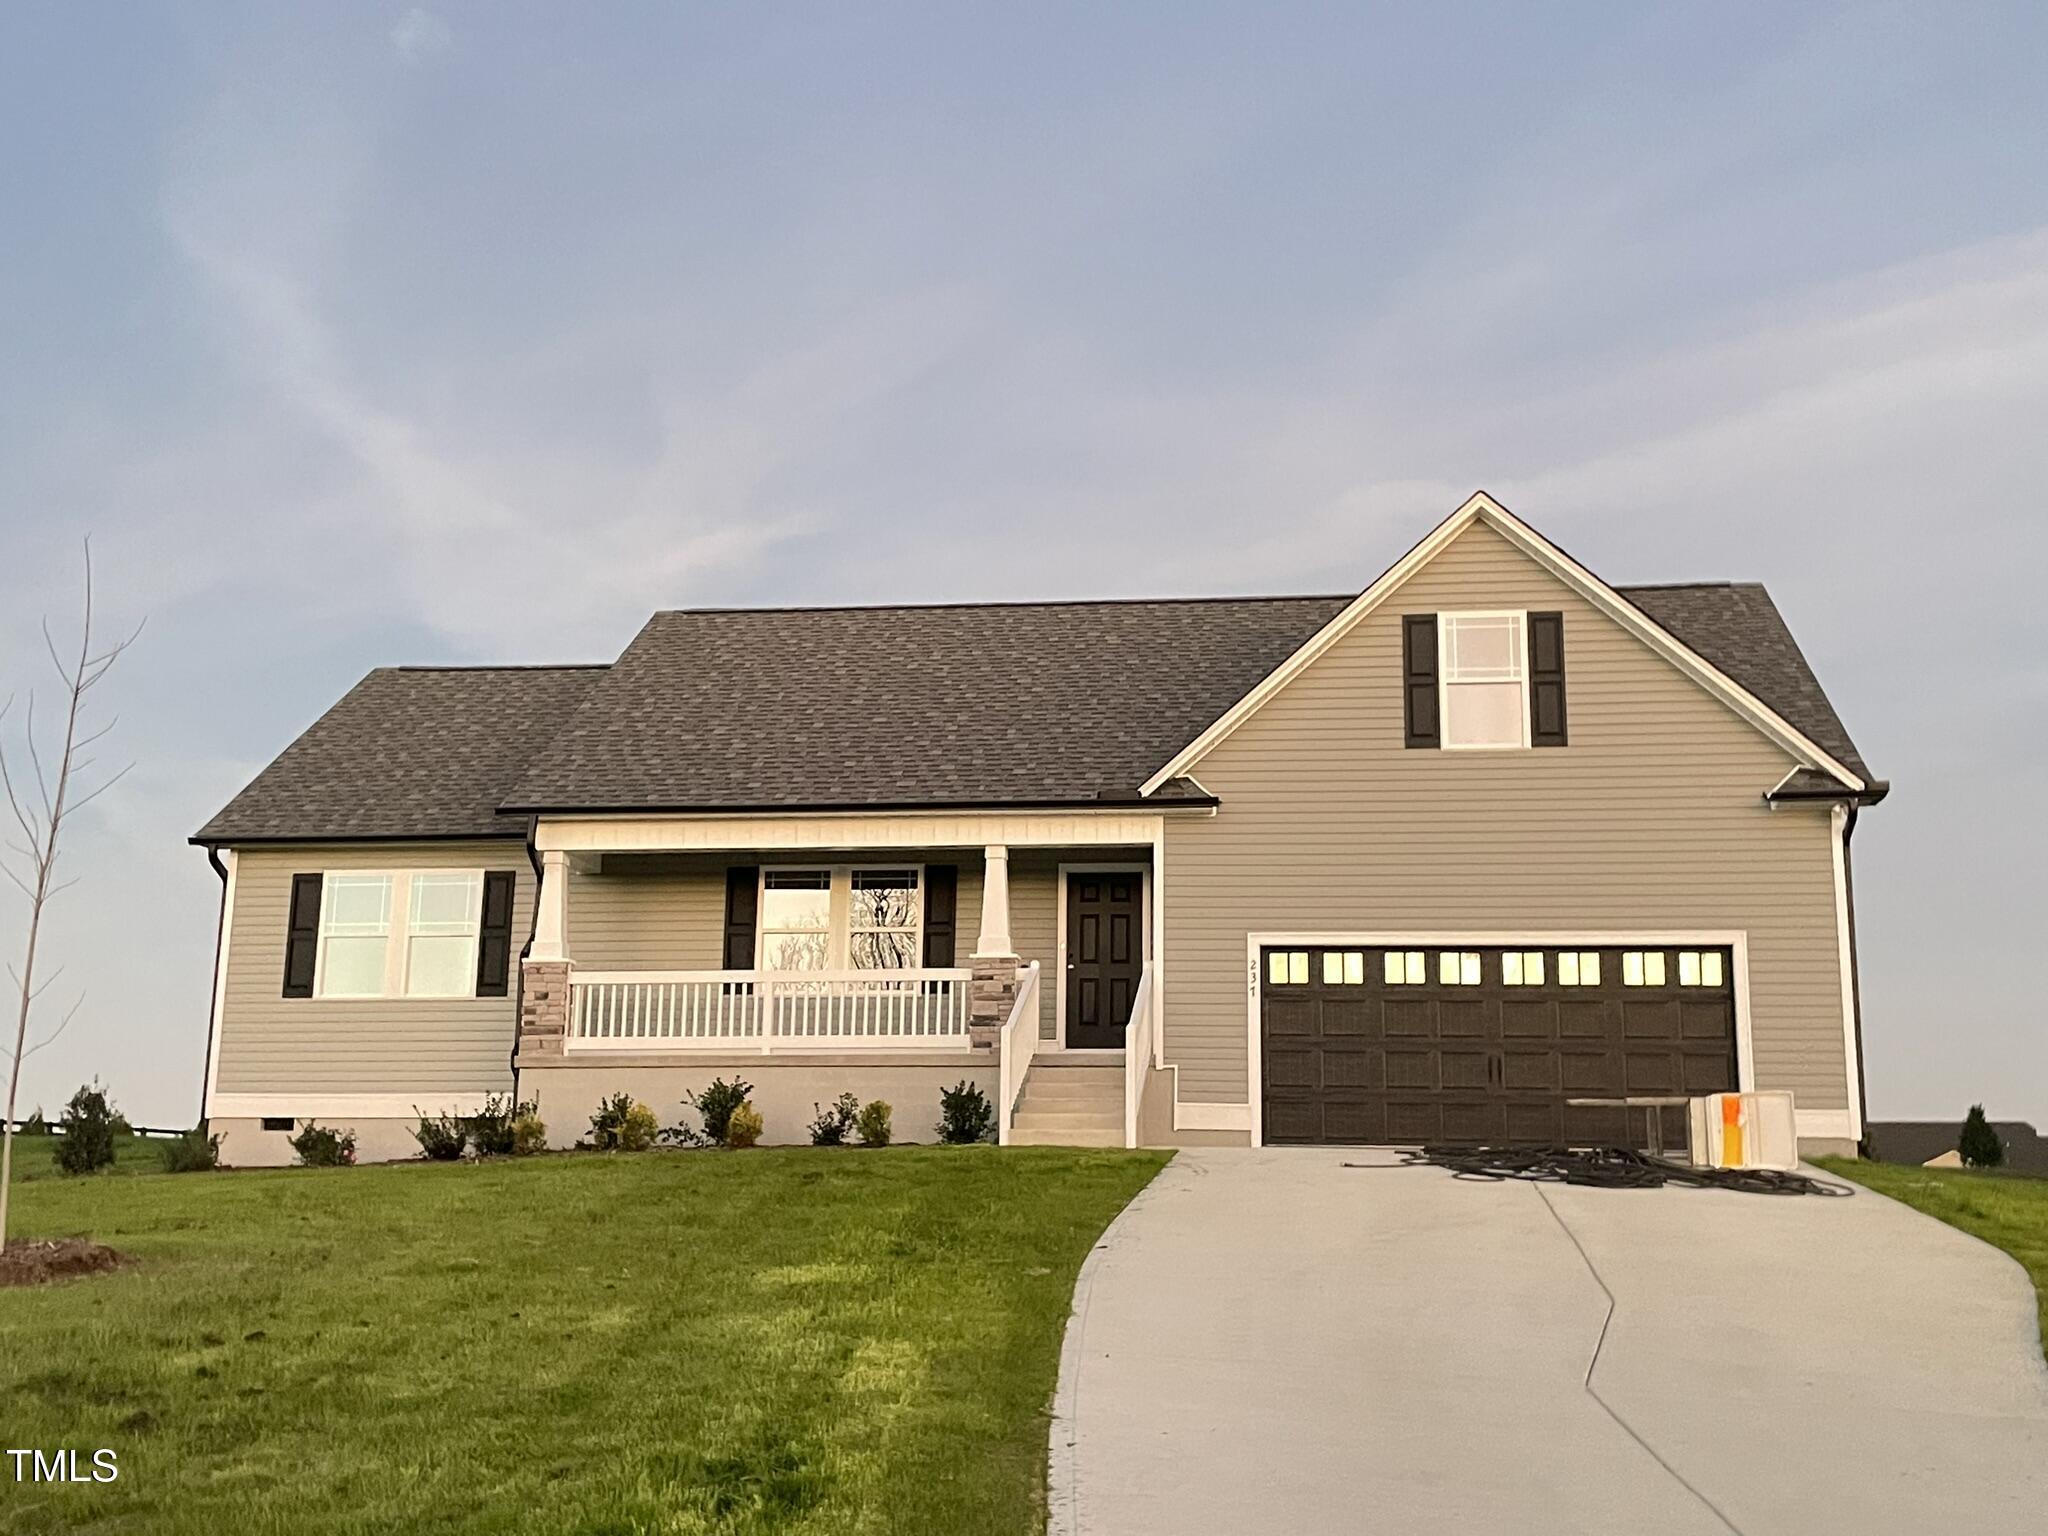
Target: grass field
[
  {"x": 2006, "y": 1210},
  {"x": 786, "y": 1340}
]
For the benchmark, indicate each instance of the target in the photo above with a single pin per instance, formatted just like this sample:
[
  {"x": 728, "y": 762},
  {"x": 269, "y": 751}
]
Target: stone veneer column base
[
  {"x": 543, "y": 1007},
  {"x": 991, "y": 996}
]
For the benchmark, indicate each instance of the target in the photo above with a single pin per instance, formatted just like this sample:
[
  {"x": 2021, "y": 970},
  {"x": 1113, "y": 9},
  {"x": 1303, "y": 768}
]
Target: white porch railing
[
  {"x": 1016, "y": 1046},
  {"x": 1141, "y": 1039},
  {"x": 767, "y": 1010}
]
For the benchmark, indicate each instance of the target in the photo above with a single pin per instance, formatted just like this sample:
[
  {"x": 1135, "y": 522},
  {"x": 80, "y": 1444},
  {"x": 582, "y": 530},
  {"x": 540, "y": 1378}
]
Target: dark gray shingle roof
[
  {"x": 862, "y": 707},
  {"x": 408, "y": 752},
  {"x": 988, "y": 704},
  {"x": 1736, "y": 626}
]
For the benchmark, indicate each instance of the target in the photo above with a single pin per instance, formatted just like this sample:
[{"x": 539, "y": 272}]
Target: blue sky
[{"x": 362, "y": 335}]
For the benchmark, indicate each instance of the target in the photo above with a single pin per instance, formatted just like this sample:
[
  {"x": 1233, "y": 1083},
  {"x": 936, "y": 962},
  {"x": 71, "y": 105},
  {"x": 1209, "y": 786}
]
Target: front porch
[{"x": 885, "y": 956}]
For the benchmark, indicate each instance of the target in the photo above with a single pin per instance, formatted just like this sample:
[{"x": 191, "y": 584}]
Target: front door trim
[
  {"x": 1129, "y": 867},
  {"x": 1734, "y": 939}
]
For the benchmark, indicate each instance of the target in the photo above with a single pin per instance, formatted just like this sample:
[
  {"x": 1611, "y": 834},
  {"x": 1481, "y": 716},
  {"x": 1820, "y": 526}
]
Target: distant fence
[{"x": 56, "y": 1129}]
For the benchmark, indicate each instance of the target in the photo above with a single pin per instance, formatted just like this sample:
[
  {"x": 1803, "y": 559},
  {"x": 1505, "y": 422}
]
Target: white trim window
[
  {"x": 796, "y": 920},
  {"x": 444, "y": 914},
  {"x": 355, "y": 935},
  {"x": 841, "y": 917},
  {"x": 1521, "y": 968},
  {"x": 1483, "y": 672},
  {"x": 884, "y": 920},
  {"x": 410, "y": 934}
]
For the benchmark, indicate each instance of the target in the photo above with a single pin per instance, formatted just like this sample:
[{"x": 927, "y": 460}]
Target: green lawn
[
  {"x": 2006, "y": 1210},
  {"x": 35, "y": 1157},
  {"x": 786, "y": 1340}
]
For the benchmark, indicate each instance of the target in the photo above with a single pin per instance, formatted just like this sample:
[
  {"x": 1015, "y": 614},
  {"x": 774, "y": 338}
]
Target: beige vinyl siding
[
  {"x": 1651, "y": 819},
  {"x": 1034, "y": 925},
  {"x": 659, "y": 912},
  {"x": 270, "y": 1043}
]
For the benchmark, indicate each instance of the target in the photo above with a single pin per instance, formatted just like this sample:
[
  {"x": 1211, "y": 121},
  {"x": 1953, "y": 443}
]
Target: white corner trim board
[
  {"x": 1736, "y": 940},
  {"x": 1844, "y": 943},
  {"x": 220, "y": 983},
  {"x": 1482, "y": 507}
]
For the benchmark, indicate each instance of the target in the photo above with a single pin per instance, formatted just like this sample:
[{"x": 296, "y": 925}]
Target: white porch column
[
  {"x": 551, "y": 910},
  {"x": 995, "y": 903},
  {"x": 544, "y": 985},
  {"x": 993, "y": 992}
]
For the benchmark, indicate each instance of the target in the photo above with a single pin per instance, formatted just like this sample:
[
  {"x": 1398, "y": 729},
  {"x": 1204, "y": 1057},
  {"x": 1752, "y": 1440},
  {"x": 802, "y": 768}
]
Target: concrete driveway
[{"x": 1274, "y": 1342}]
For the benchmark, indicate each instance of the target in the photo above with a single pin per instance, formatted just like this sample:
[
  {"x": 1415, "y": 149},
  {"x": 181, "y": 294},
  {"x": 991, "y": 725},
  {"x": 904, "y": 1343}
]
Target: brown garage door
[{"x": 1373, "y": 1045}]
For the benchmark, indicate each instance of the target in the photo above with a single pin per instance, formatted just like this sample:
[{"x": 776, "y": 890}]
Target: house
[
  {"x": 1469, "y": 855},
  {"x": 1932, "y": 1143}
]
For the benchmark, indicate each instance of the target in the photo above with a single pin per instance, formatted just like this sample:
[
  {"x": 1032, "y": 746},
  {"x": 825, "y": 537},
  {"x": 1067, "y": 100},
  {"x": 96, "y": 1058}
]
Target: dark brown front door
[
  {"x": 1105, "y": 948},
  {"x": 1491, "y": 1045}
]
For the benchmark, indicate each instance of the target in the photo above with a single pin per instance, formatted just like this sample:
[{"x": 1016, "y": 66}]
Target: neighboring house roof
[
  {"x": 408, "y": 752},
  {"x": 1922, "y": 1141},
  {"x": 867, "y": 708}
]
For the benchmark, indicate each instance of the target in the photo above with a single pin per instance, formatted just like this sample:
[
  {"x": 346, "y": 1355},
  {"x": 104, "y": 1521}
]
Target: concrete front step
[
  {"x": 1023, "y": 1136},
  {"x": 1079, "y": 1119}
]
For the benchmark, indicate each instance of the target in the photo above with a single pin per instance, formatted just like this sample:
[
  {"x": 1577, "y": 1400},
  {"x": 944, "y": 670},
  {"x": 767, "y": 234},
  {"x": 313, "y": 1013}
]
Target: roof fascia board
[{"x": 1597, "y": 592}]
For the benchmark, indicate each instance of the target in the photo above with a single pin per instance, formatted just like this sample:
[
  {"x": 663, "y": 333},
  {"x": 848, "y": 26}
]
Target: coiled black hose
[{"x": 1609, "y": 1168}]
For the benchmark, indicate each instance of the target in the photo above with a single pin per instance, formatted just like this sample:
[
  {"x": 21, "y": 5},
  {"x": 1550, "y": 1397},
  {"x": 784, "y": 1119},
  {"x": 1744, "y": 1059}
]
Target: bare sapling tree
[{"x": 43, "y": 801}]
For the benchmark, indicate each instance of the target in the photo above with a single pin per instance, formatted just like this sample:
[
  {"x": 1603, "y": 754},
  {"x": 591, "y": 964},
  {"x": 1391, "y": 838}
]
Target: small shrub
[
  {"x": 529, "y": 1132},
  {"x": 319, "y": 1147},
  {"x": 834, "y": 1125},
  {"x": 744, "y": 1127},
  {"x": 965, "y": 1114},
  {"x": 1979, "y": 1143},
  {"x": 873, "y": 1123},
  {"x": 34, "y": 1125},
  {"x": 604, "y": 1125},
  {"x": 623, "y": 1124},
  {"x": 441, "y": 1137},
  {"x": 715, "y": 1105},
  {"x": 490, "y": 1129},
  {"x": 89, "y": 1123},
  {"x": 193, "y": 1152}
]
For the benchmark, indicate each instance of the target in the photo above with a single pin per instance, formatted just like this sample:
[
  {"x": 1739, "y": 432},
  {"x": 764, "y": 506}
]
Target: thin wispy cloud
[{"x": 420, "y": 35}]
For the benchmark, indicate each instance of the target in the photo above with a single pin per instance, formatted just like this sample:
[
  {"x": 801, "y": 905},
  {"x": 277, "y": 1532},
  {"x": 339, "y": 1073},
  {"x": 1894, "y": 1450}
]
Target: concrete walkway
[{"x": 1273, "y": 1342}]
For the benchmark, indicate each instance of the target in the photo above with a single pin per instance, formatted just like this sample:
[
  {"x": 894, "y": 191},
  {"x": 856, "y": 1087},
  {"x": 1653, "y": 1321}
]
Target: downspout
[
  {"x": 532, "y": 921},
  {"x": 220, "y": 930},
  {"x": 1856, "y": 983}
]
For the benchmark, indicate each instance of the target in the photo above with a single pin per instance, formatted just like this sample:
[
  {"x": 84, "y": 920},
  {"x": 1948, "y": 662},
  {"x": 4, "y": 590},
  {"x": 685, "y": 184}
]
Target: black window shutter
[
  {"x": 1546, "y": 679},
  {"x": 742, "y": 898},
  {"x": 494, "y": 935},
  {"x": 941, "y": 904},
  {"x": 1418, "y": 678},
  {"x": 302, "y": 936}
]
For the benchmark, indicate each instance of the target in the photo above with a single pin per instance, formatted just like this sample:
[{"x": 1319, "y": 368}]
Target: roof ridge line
[{"x": 1013, "y": 602}]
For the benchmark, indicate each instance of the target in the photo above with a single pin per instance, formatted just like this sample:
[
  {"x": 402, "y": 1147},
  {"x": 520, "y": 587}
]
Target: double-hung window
[
  {"x": 882, "y": 931},
  {"x": 796, "y": 919},
  {"x": 441, "y": 933},
  {"x": 355, "y": 936},
  {"x": 399, "y": 935},
  {"x": 1483, "y": 662},
  {"x": 834, "y": 919}
]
